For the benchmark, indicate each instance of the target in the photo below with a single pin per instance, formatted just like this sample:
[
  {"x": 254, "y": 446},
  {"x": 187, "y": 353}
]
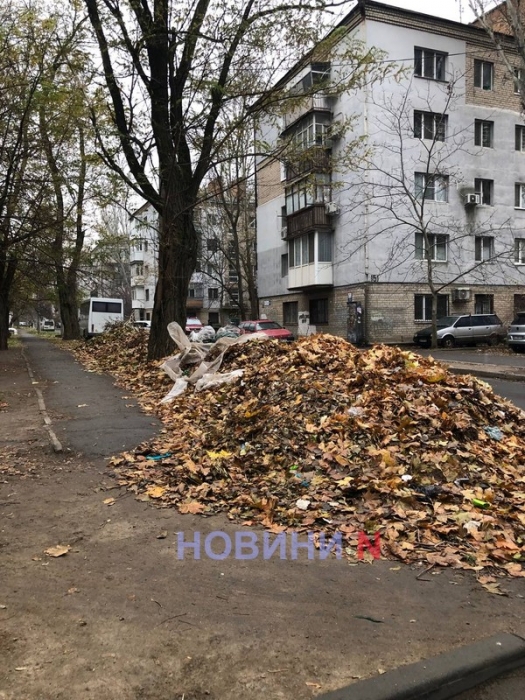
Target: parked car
[
  {"x": 12, "y": 331},
  {"x": 270, "y": 328},
  {"x": 516, "y": 334},
  {"x": 146, "y": 325},
  {"x": 48, "y": 325},
  {"x": 193, "y": 324},
  {"x": 463, "y": 330}
]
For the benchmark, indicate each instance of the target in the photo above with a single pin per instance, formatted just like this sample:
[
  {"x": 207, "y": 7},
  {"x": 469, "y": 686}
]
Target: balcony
[
  {"x": 195, "y": 302},
  {"x": 316, "y": 159},
  {"x": 318, "y": 274},
  {"x": 135, "y": 255},
  {"x": 312, "y": 103},
  {"x": 312, "y": 218}
]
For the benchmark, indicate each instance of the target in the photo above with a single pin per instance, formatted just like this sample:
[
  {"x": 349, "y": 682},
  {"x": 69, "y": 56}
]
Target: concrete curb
[
  {"x": 509, "y": 374},
  {"x": 443, "y": 676}
]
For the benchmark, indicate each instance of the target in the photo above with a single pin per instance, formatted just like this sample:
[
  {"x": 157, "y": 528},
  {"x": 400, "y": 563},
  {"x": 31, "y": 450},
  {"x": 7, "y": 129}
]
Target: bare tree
[{"x": 171, "y": 72}]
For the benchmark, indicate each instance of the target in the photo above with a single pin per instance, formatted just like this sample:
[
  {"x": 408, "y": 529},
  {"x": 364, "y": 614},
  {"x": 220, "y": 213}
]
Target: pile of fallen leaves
[{"x": 319, "y": 436}]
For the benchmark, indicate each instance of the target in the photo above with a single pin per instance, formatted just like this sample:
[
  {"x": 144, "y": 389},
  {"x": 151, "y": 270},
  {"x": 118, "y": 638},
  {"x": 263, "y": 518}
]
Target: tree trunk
[
  {"x": 4, "y": 318},
  {"x": 67, "y": 299},
  {"x": 8, "y": 267},
  {"x": 178, "y": 250}
]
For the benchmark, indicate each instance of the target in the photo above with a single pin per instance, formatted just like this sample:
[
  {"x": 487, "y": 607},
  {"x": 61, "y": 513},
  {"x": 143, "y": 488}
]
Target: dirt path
[{"x": 120, "y": 617}]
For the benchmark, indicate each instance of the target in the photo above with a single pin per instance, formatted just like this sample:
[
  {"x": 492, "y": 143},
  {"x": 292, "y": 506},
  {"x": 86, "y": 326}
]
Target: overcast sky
[{"x": 440, "y": 8}]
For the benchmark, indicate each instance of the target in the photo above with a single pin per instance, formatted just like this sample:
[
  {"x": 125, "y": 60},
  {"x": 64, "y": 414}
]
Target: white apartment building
[
  {"x": 213, "y": 290},
  {"x": 343, "y": 249}
]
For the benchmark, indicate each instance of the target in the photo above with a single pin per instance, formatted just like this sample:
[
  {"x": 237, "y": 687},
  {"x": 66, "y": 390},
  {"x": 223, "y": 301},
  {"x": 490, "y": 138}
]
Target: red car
[{"x": 270, "y": 328}]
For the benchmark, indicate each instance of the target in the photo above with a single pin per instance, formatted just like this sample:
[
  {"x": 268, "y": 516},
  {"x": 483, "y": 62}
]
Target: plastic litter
[{"x": 494, "y": 433}]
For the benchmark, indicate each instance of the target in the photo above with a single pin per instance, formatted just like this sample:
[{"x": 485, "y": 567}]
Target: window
[
  {"x": 307, "y": 192},
  {"x": 232, "y": 274},
  {"x": 324, "y": 245},
  {"x": 318, "y": 73},
  {"x": 290, "y": 312},
  {"x": 518, "y": 80},
  {"x": 213, "y": 293},
  {"x": 484, "y": 248},
  {"x": 213, "y": 318},
  {"x": 520, "y": 137},
  {"x": 429, "y": 64},
  {"x": 210, "y": 269},
  {"x": 107, "y": 307},
  {"x": 212, "y": 245},
  {"x": 423, "y": 306},
  {"x": 519, "y": 195},
  {"x": 312, "y": 131},
  {"x": 284, "y": 265},
  {"x": 483, "y": 304},
  {"x": 483, "y": 74},
  {"x": 301, "y": 250},
  {"x": 434, "y": 187},
  {"x": 438, "y": 247},
  {"x": 145, "y": 246},
  {"x": 196, "y": 291},
  {"x": 428, "y": 125},
  {"x": 147, "y": 294},
  {"x": 485, "y": 189},
  {"x": 484, "y": 133},
  {"x": 318, "y": 311},
  {"x": 519, "y": 251}
]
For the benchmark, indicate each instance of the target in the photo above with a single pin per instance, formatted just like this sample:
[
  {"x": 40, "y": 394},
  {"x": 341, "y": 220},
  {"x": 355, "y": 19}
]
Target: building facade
[
  {"x": 214, "y": 294},
  {"x": 436, "y": 201}
]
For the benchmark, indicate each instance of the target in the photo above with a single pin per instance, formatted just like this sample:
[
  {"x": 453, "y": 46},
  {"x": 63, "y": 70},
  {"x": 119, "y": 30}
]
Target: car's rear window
[{"x": 519, "y": 320}]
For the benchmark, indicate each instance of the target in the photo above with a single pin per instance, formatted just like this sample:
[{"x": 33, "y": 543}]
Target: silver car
[
  {"x": 464, "y": 330},
  {"x": 516, "y": 334}
]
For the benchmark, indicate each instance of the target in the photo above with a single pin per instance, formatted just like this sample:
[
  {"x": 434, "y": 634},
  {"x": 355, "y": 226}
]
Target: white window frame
[
  {"x": 518, "y": 78},
  {"x": 519, "y": 251},
  {"x": 438, "y": 242},
  {"x": 425, "y": 184},
  {"x": 519, "y": 195},
  {"x": 426, "y": 306},
  {"x": 483, "y": 67},
  {"x": 480, "y": 185},
  {"x": 520, "y": 138},
  {"x": 430, "y": 126},
  {"x": 483, "y": 248},
  {"x": 430, "y": 57},
  {"x": 482, "y": 128}
]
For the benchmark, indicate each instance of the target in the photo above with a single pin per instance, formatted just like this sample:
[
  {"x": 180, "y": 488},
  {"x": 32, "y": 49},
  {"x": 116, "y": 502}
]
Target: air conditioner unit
[
  {"x": 332, "y": 208},
  {"x": 461, "y": 294},
  {"x": 284, "y": 232},
  {"x": 472, "y": 199}
]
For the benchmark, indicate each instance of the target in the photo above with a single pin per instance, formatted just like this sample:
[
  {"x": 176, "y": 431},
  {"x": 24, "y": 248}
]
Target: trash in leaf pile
[{"x": 319, "y": 436}]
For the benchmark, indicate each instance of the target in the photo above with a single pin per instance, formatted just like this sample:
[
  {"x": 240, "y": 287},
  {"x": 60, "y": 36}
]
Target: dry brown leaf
[{"x": 58, "y": 551}]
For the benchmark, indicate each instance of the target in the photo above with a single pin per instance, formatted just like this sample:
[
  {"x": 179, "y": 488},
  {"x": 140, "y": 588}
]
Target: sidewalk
[
  {"x": 120, "y": 617},
  {"x": 479, "y": 364}
]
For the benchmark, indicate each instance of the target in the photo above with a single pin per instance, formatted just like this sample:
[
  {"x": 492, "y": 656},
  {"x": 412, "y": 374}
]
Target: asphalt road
[
  {"x": 513, "y": 391},
  {"x": 473, "y": 355}
]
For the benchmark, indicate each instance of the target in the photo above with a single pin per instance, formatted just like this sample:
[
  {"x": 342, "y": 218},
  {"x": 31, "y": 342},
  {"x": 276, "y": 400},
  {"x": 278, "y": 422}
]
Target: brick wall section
[
  {"x": 502, "y": 95},
  {"x": 389, "y": 308},
  {"x": 269, "y": 184}
]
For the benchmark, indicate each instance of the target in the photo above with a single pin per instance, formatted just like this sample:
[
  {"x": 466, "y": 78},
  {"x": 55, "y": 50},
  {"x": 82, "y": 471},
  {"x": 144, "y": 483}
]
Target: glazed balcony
[{"x": 312, "y": 218}]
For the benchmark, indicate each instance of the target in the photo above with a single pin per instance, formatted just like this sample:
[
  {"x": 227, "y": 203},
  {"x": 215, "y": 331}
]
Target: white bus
[{"x": 96, "y": 312}]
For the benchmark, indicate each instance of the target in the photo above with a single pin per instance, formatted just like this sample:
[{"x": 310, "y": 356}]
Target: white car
[
  {"x": 146, "y": 325},
  {"x": 12, "y": 331}
]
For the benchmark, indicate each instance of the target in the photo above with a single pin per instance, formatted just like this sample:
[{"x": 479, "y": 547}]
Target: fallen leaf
[
  {"x": 109, "y": 501},
  {"x": 58, "y": 551},
  {"x": 193, "y": 507}
]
